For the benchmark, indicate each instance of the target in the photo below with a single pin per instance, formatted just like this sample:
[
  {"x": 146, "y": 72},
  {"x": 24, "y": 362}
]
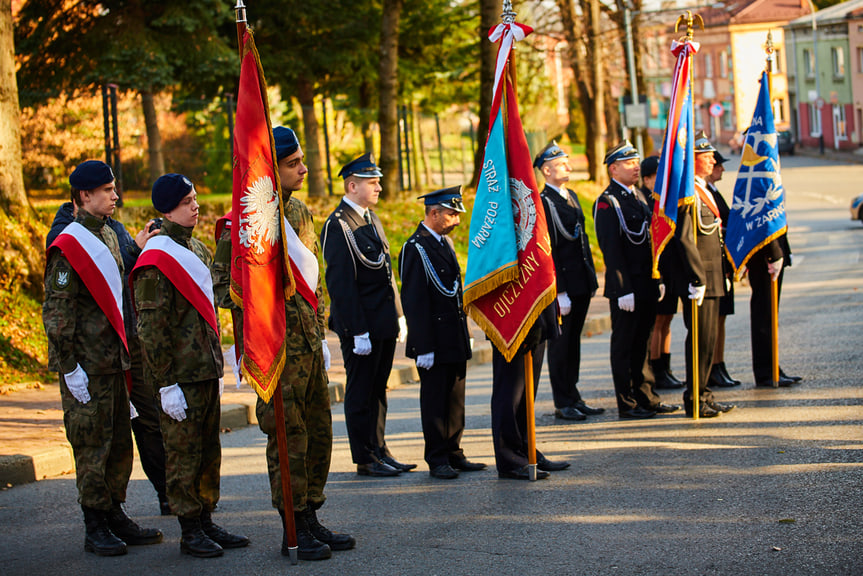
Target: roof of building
[
  {"x": 835, "y": 13},
  {"x": 734, "y": 12}
]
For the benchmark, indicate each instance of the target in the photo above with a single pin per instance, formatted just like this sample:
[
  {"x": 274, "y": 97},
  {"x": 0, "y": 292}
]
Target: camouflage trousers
[
  {"x": 101, "y": 437},
  {"x": 309, "y": 427},
  {"x": 193, "y": 451}
]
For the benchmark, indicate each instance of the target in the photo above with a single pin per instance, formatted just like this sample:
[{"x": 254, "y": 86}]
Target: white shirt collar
[
  {"x": 619, "y": 183},
  {"x": 437, "y": 236},
  {"x": 356, "y": 207},
  {"x": 564, "y": 193}
]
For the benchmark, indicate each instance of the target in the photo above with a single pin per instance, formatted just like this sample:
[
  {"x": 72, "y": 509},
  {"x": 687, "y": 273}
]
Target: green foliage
[{"x": 23, "y": 345}]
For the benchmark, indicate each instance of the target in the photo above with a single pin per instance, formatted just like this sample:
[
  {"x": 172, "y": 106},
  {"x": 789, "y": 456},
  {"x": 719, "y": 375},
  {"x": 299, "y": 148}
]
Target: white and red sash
[
  {"x": 707, "y": 198},
  {"x": 185, "y": 271},
  {"x": 304, "y": 266},
  {"x": 97, "y": 268}
]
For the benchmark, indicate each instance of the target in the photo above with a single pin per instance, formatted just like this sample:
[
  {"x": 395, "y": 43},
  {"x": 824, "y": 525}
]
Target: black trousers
[
  {"x": 760, "y": 322},
  {"x": 442, "y": 411},
  {"x": 708, "y": 318},
  {"x": 148, "y": 434},
  {"x": 509, "y": 410},
  {"x": 630, "y": 336},
  {"x": 564, "y": 354},
  {"x": 366, "y": 398}
]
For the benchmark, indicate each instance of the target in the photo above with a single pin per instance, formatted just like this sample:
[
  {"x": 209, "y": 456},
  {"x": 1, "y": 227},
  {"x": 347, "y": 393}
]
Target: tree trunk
[
  {"x": 388, "y": 95},
  {"x": 154, "y": 137},
  {"x": 21, "y": 241},
  {"x": 489, "y": 16},
  {"x": 306, "y": 96},
  {"x": 365, "y": 102},
  {"x": 597, "y": 144}
]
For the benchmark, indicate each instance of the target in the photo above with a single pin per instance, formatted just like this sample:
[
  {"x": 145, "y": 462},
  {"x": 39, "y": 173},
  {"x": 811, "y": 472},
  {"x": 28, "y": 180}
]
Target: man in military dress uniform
[
  {"x": 179, "y": 331},
  {"x": 365, "y": 312},
  {"x": 699, "y": 268},
  {"x": 303, "y": 383},
  {"x": 438, "y": 337},
  {"x": 576, "y": 282},
  {"x": 83, "y": 318},
  {"x": 622, "y": 222}
]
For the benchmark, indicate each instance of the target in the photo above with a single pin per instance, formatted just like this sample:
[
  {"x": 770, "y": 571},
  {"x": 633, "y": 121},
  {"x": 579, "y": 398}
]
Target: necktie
[{"x": 367, "y": 217}]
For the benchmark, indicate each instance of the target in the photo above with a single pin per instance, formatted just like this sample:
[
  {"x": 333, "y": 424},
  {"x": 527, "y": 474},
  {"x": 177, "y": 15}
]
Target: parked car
[
  {"x": 786, "y": 142},
  {"x": 857, "y": 208}
]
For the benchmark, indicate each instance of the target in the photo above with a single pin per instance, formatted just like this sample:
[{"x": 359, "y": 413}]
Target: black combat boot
[
  {"x": 308, "y": 547},
  {"x": 128, "y": 531},
  {"x": 219, "y": 535},
  {"x": 662, "y": 380},
  {"x": 194, "y": 542},
  {"x": 334, "y": 540},
  {"x": 100, "y": 540}
]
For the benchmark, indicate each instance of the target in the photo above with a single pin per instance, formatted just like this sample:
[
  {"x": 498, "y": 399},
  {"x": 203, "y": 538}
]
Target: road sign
[
  {"x": 716, "y": 110},
  {"x": 636, "y": 115},
  {"x": 819, "y": 103}
]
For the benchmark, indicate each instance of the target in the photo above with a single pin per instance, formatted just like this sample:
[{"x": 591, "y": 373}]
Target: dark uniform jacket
[
  {"x": 573, "y": 262},
  {"x": 179, "y": 345},
  {"x": 363, "y": 293},
  {"x": 724, "y": 211},
  {"x": 628, "y": 260},
  {"x": 436, "y": 321},
  {"x": 77, "y": 329},
  {"x": 699, "y": 264}
]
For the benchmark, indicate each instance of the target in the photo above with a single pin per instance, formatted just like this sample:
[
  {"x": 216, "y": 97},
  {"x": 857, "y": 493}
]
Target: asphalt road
[{"x": 772, "y": 488}]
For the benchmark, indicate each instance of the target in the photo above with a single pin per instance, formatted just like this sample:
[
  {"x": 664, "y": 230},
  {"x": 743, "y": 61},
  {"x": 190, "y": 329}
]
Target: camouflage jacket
[
  {"x": 304, "y": 329},
  {"x": 179, "y": 346},
  {"x": 77, "y": 329}
]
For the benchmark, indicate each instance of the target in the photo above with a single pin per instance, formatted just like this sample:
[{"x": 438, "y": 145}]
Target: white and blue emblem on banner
[{"x": 757, "y": 214}]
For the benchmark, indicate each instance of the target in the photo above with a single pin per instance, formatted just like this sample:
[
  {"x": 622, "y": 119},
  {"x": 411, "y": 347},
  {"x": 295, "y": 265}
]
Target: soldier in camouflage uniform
[
  {"x": 180, "y": 338},
  {"x": 303, "y": 382},
  {"x": 91, "y": 357}
]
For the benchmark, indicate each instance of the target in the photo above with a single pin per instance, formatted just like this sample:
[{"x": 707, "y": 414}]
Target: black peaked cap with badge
[
  {"x": 550, "y": 152},
  {"x": 446, "y": 197},
  {"x": 623, "y": 151},
  {"x": 362, "y": 167}
]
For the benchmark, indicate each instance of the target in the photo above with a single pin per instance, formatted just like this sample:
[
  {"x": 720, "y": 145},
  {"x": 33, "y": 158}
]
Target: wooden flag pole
[
  {"x": 774, "y": 282},
  {"x": 278, "y": 401},
  {"x": 531, "y": 424},
  {"x": 695, "y": 374}
]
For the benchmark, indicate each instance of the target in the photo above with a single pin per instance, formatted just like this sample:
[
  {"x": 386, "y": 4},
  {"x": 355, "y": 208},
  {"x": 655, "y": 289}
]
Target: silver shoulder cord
[
  {"x": 634, "y": 237},
  {"x": 431, "y": 274},
  {"x": 706, "y": 229},
  {"x": 352, "y": 243},
  {"x": 555, "y": 217}
]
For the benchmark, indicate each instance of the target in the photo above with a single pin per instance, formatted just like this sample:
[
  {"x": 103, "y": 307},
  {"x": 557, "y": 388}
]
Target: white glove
[
  {"x": 362, "y": 345},
  {"x": 174, "y": 402},
  {"x": 565, "y": 303},
  {"x": 697, "y": 293},
  {"x": 231, "y": 359},
  {"x": 77, "y": 381},
  {"x": 728, "y": 284},
  {"x": 774, "y": 268},
  {"x": 425, "y": 360},
  {"x": 132, "y": 412},
  {"x": 661, "y": 292},
  {"x": 325, "y": 350},
  {"x": 627, "y": 302},
  {"x": 221, "y": 386},
  {"x": 403, "y": 329}
]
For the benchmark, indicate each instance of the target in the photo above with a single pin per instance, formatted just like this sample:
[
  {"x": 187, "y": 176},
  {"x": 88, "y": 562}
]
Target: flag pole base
[
  {"x": 531, "y": 472},
  {"x": 293, "y": 555},
  {"x": 775, "y": 384}
]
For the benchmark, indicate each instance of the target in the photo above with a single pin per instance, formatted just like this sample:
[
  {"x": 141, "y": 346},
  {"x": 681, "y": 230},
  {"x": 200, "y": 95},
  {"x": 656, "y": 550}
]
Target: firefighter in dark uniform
[
  {"x": 700, "y": 268},
  {"x": 576, "y": 282},
  {"x": 438, "y": 337},
  {"x": 622, "y": 220},
  {"x": 365, "y": 312}
]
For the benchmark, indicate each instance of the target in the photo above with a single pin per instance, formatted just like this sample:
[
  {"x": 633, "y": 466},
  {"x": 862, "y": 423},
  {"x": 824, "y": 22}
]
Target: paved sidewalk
[{"x": 33, "y": 443}]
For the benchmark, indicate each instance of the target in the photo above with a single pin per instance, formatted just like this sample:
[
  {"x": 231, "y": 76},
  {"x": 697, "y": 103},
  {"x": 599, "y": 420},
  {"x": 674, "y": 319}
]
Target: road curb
[{"x": 19, "y": 469}]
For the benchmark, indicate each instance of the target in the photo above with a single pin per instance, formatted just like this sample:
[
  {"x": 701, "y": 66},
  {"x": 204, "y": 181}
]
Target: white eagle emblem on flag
[{"x": 259, "y": 221}]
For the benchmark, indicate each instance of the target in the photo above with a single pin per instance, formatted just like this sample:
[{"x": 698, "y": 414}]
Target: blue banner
[{"x": 758, "y": 210}]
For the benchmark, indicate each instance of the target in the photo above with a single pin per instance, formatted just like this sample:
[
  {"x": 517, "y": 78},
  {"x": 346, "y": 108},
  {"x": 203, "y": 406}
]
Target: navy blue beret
[
  {"x": 168, "y": 190},
  {"x": 363, "y": 167},
  {"x": 286, "y": 142},
  {"x": 90, "y": 175}
]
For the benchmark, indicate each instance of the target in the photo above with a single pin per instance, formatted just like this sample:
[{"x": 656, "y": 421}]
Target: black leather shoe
[
  {"x": 638, "y": 413},
  {"x": 587, "y": 410},
  {"x": 444, "y": 472},
  {"x": 720, "y": 407},
  {"x": 521, "y": 474},
  {"x": 194, "y": 542},
  {"x": 551, "y": 466},
  {"x": 99, "y": 539},
  {"x": 795, "y": 379},
  {"x": 128, "y": 531},
  {"x": 783, "y": 383},
  {"x": 377, "y": 469},
  {"x": 717, "y": 379},
  {"x": 219, "y": 535},
  {"x": 704, "y": 411},
  {"x": 728, "y": 377},
  {"x": 389, "y": 460},
  {"x": 466, "y": 465},
  {"x": 662, "y": 379},
  {"x": 308, "y": 547},
  {"x": 335, "y": 540},
  {"x": 569, "y": 413},
  {"x": 663, "y": 408}
]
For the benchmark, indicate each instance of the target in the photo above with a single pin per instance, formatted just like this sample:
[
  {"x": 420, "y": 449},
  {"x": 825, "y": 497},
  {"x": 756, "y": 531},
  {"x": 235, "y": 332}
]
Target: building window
[
  {"x": 814, "y": 120},
  {"x": 776, "y": 63},
  {"x": 708, "y": 65},
  {"x": 809, "y": 63},
  {"x": 698, "y": 117},
  {"x": 727, "y": 121},
  {"x": 838, "y": 61},
  {"x": 839, "y": 121},
  {"x": 779, "y": 111},
  {"x": 860, "y": 60},
  {"x": 723, "y": 64}
]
